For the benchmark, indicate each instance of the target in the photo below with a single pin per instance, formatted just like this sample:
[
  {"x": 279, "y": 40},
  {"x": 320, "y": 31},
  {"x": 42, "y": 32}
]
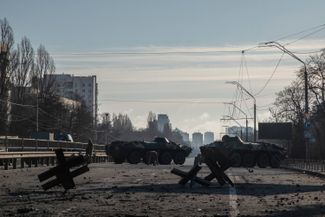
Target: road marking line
[{"x": 234, "y": 211}]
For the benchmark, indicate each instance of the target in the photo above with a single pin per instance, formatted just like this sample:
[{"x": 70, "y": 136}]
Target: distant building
[
  {"x": 208, "y": 137},
  {"x": 77, "y": 87},
  {"x": 240, "y": 132},
  {"x": 185, "y": 135},
  {"x": 235, "y": 131},
  {"x": 163, "y": 121},
  {"x": 197, "y": 139}
]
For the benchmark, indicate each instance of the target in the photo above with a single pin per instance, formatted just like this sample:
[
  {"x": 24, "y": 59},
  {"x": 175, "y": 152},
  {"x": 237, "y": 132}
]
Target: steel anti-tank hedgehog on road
[
  {"x": 135, "y": 151},
  {"x": 236, "y": 153}
]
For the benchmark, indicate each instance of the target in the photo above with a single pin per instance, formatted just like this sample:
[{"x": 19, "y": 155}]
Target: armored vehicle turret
[
  {"x": 136, "y": 151},
  {"x": 234, "y": 152}
]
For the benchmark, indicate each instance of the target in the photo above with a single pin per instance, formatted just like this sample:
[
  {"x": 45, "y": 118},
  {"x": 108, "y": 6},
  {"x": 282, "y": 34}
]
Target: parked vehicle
[
  {"x": 59, "y": 136},
  {"x": 234, "y": 152},
  {"x": 135, "y": 151}
]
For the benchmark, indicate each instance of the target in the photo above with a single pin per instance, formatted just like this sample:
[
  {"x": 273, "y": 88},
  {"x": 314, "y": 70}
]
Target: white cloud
[
  {"x": 128, "y": 111},
  {"x": 204, "y": 116}
]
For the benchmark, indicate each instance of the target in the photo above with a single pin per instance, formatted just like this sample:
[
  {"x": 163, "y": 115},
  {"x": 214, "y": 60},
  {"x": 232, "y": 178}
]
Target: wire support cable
[{"x": 271, "y": 76}]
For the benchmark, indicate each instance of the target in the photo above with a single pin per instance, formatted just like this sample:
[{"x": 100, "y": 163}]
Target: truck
[
  {"x": 136, "y": 151},
  {"x": 232, "y": 151}
]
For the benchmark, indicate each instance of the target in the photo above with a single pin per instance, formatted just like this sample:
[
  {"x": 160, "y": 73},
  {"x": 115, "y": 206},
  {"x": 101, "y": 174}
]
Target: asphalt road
[{"x": 140, "y": 190}]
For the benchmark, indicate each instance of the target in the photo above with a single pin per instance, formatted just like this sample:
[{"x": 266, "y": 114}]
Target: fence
[
  {"x": 24, "y": 144},
  {"x": 35, "y": 152},
  {"x": 308, "y": 165}
]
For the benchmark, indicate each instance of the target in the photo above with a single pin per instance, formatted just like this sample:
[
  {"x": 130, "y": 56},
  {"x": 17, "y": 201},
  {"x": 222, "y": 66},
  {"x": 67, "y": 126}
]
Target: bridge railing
[
  {"x": 26, "y": 144},
  {"x": 38, "y": 151},
  {"x": 309, "y": 165}
]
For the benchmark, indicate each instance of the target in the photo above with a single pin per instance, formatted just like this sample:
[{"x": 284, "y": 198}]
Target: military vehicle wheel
[
  {"x": 248, "y": 160},
  {"x": 151, "y": 157},
  {"x": 165, "y": 158},
  {"x": 134, "y": 157},
  {"x": 146, "y": 159},
  {"x": 118, "y": 160},
  {"x": 275, "y": 161},
  {"x": 263, "y": 160},
  {"x": 179, "y": 158},
  {"x": 235, "y": 159}
]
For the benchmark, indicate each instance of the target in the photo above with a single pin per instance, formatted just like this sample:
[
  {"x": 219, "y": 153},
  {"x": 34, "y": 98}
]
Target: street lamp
[
  {"x": 239, "y": 109},
  {"x": 285, "y": 50},
  {"x": 251, "y": 95}
]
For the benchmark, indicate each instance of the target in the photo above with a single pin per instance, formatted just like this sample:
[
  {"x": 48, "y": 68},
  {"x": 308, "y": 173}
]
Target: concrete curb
[{"x": 308, "y": 172}]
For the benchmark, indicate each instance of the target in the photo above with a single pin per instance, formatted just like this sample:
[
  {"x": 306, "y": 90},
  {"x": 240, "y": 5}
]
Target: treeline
[
  {"x": 119, "y": 127},
  {"x": 27, "y": 100},
  {"x": 290, "y": 106}
]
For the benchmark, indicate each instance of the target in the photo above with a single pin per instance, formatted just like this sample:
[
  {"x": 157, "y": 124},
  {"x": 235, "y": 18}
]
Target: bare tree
[
  {"x": 6, "y": 43},
  {"x": 44, "y": 68},
  {"x": 22, "y": 75},
  {"x": 316, "y": 78},
  {"x": 289, "y": 104}
]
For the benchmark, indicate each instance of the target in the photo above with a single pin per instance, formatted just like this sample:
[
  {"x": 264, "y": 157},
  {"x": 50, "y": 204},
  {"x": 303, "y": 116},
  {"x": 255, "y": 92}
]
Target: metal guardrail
[
  {"x": 37, "y": 151},
  {"x": 25, "y": 144},
  {"x": 11, "y": 159},
  {"x": 37, "y": 154},
  {"x": 308, "y": 165}
]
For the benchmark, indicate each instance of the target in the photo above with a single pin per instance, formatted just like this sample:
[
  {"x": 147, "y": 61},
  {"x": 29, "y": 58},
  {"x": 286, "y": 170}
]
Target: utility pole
[
  {"x": 251, "y": 95},
  {"x": 285, "y": 50},
  {"x": 4, "y": 88},
  {"x": 37, "y": 105},
  {"x": 106, "y": 131},
  {"x": 246, "y": 125}
]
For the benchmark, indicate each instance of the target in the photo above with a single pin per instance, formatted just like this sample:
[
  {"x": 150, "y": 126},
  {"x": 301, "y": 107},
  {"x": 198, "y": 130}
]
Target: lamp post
[
  {"x": 251, "y": 95},
  {"x": 239, "y": 109},
  {"x": 285, "y": 50}
]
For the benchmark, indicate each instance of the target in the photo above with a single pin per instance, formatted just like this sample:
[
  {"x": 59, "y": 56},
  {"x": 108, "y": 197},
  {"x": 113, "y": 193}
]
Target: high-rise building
[
  {"x": 197, "y": 139},
  {"x": 83, "y": 88},
  {"x": 208, "y": 137},
  {"x": 163, "y": 121},
  {"x": 185, "y": 135}
]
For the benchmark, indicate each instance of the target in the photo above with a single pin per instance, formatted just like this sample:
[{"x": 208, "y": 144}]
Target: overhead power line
[
  {"x": 300, "y": 32},
  {"x": 162, "y": 101},
  {"x": 271, "y": 76},
  {"x": 305, "y": 36}
]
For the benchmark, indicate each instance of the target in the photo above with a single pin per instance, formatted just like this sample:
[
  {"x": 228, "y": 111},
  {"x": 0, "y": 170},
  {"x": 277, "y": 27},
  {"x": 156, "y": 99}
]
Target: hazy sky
[{"x": 103, "y": 37}]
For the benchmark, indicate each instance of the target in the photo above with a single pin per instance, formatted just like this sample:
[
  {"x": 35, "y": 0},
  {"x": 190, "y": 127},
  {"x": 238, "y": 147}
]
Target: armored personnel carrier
[
  {"x": 232, "y": 151},
  {"x": 135, "y": 151}
]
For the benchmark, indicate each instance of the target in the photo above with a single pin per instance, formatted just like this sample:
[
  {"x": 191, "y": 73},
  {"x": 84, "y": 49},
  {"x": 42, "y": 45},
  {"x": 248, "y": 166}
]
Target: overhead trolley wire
[
  {"x": 271, "y": 76},
  {"x": 162, "y": 101},
  {"x": 300, "y": 32},
  {"x": 305, "y": 36}
]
